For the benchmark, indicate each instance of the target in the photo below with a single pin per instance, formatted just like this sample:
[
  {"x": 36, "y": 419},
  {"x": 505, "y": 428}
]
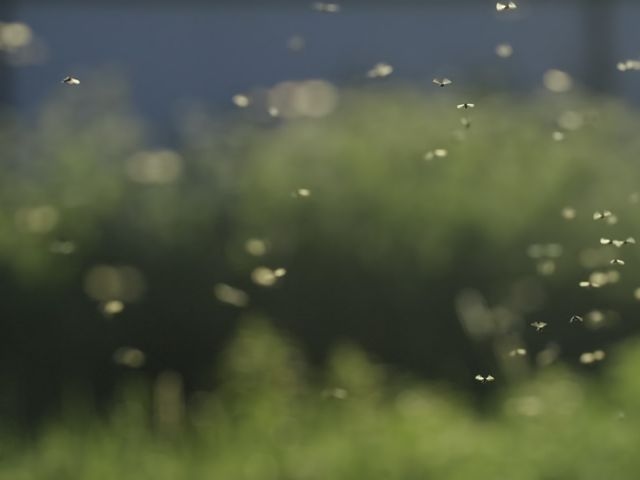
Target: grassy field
[
  {"x": 426, "y": 262},
  {"x": 269, "y": 422}
]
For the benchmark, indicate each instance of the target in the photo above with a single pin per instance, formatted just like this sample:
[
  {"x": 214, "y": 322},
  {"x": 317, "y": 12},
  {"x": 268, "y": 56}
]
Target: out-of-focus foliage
[
  {"x": 108, "y": 240},
  {"x": 268, "y": 421},
  {"x": 387, "y": 242}
]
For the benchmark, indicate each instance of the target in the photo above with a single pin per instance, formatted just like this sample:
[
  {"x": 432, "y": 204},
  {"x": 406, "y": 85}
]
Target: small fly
[
  {"x": 538, "y": 325},
  {"x": 442, "y": 82},
  {"x": 70, "y": 81},
  {"x": 481, "y": 379},
  {"x": 505, "y": 6}
]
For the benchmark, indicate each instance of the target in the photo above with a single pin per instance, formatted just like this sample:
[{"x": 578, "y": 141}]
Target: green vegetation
[
  {"x": 108, "y": 240},
  {"x": 267, "y": 421}
]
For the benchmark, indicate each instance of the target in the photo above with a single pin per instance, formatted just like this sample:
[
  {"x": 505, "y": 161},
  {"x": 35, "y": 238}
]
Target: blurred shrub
[
  {"x": 421, "y": 260},
  {"x": 109, "y": 240},
  {"x": 556, "y": 426}
]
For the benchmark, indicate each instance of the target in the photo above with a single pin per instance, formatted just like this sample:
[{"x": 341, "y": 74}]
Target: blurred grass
[
  {"x": 380, "y": 253},
  {"x": 366, "y": 167},
  {"x": 269, "y": 420},
  {"x": 387, "y": 241}
]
